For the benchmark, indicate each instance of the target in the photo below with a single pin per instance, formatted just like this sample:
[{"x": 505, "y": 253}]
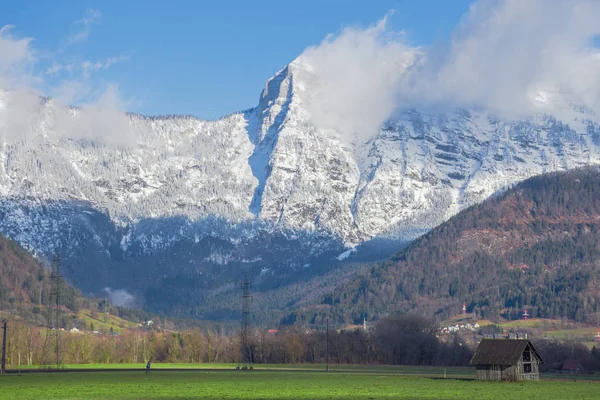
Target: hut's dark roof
[{"x": 502, "y": 351}]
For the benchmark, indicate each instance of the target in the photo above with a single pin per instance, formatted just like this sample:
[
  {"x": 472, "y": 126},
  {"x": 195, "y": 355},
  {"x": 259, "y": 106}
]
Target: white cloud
[
  {"x": 110, "y": 61},
  {"x": 19, "y": 113},
  {"x": 88, "y": 67},
  {"x": 104, "y": 120},
  {"x": 504, "y": 56},
  {"x": 84, "y": 26},
  {"x": 101, "y": 120},
  {"x": 16, "y": 56},
  {"x": 120, "y": 297},
  {"x": 71, "y": 91},
  {"x": 356, "y": 78},
  {"x": 54, "y": 69},
  {"x": 85, "y": 68},
  {"x": 99, "y": 115},
  {"x": 20, "y": 105}
]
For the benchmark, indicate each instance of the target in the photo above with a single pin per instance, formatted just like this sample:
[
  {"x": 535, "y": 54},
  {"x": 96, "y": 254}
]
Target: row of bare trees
[
  {"x": 405, "y": 340},
  {"x": 28, "y": 345}
]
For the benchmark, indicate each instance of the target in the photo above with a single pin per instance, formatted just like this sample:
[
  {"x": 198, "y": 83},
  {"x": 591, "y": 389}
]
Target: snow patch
[{"x": 346, "y": 254}]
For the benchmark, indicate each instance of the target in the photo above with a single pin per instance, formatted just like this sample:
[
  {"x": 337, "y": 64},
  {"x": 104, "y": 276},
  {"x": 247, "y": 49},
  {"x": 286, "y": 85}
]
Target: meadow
[{"x": 269, "y": 384}]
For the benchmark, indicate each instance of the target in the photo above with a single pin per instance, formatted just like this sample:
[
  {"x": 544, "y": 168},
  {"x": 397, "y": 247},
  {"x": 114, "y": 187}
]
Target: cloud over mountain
[
  {"x": 511, "y": 57},
  {"x": 100, "y": 114},
  {"x": 358, "y": 75}
]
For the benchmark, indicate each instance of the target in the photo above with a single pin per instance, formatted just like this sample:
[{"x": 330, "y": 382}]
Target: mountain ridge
[{"x": 268, "y": 172}]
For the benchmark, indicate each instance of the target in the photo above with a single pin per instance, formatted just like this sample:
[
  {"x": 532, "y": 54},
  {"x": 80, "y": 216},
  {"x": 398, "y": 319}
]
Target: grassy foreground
[{"x": 275, "y": 385}]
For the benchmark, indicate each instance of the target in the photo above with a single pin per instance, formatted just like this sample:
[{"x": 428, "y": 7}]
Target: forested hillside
[
  {"x": 26, "y": 286},
  {"x": 27, "y": 292},
  {"x": 535, "y": 247}
]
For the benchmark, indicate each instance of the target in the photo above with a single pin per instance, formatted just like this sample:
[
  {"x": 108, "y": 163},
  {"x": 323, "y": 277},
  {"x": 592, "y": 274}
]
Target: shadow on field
[{"x": 439, "y": 378}]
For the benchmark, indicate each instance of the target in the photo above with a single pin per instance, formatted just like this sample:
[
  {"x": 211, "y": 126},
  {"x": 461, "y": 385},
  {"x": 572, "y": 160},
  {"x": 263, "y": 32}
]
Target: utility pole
[
  {"x": 53, "y": 332},
  {"x": 327, "y": 344},
  {"x": 246, "y": 353},
  {"x": 3, "y": 370},
  {"x": 56, "y": 279}
]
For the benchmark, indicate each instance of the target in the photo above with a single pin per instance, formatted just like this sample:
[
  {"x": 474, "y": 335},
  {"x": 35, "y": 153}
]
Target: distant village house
[{"x": 572, "y": 367}]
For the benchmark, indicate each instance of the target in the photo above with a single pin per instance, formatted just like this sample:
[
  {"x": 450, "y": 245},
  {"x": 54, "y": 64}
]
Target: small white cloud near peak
[
  {"x": 102, "y": 120},
  {"x": 15, "y": 57}
]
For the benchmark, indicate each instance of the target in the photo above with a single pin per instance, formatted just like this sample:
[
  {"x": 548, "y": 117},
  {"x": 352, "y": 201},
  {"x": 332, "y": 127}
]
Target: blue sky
[{"x": 205, "y": 58}]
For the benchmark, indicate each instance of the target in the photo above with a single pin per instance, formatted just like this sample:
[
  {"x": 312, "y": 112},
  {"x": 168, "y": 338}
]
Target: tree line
[{"x": 407, "y": 340}]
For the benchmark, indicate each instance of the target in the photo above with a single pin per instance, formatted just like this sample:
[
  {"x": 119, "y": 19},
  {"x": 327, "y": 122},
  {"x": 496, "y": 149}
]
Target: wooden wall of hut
[{"x": 508, "y": 372}]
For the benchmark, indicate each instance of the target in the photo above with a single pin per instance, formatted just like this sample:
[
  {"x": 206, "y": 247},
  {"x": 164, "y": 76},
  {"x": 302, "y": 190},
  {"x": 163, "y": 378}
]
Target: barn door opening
[{"x": 527, "y": 361}]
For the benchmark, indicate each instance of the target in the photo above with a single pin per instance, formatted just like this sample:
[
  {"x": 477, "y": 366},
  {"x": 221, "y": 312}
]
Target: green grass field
[
  {"x": 573, "y": 333},
  {"x": 275, "y": 385}
]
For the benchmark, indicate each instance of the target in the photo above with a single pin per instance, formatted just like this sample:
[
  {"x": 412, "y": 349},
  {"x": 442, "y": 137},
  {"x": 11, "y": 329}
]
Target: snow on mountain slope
[
  {"x": 425, "y": 168},
  {"x": 419, "y": 171},
  {"x": 268, "y": 170},
  {"x": 179, "y": 166}
]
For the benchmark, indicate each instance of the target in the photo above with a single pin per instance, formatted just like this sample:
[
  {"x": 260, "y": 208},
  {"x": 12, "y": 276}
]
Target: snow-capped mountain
[{"x": 264, "y": 187}]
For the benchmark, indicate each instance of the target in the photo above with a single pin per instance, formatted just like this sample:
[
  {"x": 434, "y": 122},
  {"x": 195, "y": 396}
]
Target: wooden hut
[{"x": 507, "y": 360}]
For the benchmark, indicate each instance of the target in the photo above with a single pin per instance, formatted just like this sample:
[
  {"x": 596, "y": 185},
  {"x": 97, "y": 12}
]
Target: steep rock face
[
  {"x": 256, "y": 187},
  {"x": 309, "y": 176}
]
